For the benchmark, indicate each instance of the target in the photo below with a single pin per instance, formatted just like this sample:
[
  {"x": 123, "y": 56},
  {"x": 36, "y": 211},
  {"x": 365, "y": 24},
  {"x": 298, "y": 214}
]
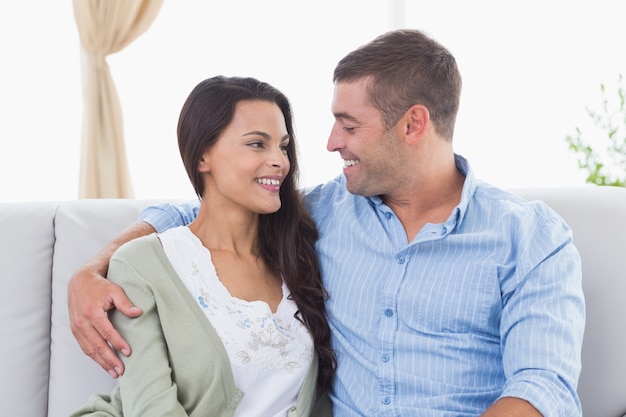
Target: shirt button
[
  {"x": 400, "y": 260},
  {"x": 386, "y": 400},
  {"x": 388, "y": 312},
  {"x": 388, "y": 215},
  {"x": 385, "y": 358}
]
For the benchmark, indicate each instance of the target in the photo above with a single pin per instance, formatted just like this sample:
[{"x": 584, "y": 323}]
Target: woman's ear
[
  {"x": 415, "y": 123},
  {"x": 203, "y": 163}
]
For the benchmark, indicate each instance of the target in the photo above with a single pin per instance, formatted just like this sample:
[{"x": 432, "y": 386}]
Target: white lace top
[{"x": 270, "y": 353}]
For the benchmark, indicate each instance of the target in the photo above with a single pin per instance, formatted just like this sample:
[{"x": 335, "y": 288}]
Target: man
[{"x": 447, "y": 296}]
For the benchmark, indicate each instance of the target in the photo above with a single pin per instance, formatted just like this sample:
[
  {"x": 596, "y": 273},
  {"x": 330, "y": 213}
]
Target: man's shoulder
[
  {"x": 506, "y": 203},
  {"x": 328, "y": 202},
  {"x": 331, "y": 191},
  {"x": 334, "y": 185}
]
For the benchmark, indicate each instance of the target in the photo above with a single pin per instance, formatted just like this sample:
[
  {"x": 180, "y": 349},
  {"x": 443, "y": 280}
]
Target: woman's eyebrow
[
  {"x": 265, "y": 135},
  {"x": 257, "y": 133}
]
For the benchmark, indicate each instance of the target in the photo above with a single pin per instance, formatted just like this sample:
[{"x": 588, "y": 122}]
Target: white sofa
[{"x": 44, "y": 372}]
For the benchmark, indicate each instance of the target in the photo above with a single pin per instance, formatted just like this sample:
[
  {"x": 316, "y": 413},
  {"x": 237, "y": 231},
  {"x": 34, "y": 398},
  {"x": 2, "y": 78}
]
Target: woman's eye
[
  {"x": 284, "y": 148},
  {"x": 256, "y": 144}
]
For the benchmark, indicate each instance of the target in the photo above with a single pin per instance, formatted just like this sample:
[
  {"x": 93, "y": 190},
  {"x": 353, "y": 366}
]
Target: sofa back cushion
[{"x": 26, "y": 241}]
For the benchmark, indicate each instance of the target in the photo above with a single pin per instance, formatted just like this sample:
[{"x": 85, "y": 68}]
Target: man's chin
[{"x": 358, "y": 190}]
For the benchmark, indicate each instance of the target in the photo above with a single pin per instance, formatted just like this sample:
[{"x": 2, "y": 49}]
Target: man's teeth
[
  {"x": 350, "y": 162},
  {"x": 267, "y": 181}
]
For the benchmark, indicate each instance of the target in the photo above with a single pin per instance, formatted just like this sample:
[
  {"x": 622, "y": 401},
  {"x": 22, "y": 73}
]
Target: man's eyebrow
[{"x": 345, "y": 116}]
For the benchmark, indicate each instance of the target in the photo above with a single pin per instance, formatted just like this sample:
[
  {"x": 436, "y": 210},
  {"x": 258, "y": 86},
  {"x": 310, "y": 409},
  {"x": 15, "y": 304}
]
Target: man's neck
[{"x": 430, "y": 200}]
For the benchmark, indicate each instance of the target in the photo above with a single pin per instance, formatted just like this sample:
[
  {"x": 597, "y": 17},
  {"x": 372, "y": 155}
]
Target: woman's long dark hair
[{"x": 286, "y": 238}]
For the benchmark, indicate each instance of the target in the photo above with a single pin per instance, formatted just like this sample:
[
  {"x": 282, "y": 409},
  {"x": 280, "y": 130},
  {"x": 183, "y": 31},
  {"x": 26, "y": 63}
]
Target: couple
[{"x": 444, "y": 295}]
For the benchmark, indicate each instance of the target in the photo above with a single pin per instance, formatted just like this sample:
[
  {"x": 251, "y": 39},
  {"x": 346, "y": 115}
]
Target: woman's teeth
[{"x": 267, "y": 181}]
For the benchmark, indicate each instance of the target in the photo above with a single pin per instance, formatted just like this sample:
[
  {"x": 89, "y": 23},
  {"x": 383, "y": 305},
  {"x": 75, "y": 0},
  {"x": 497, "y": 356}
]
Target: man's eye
[{"x": 349, "y": 129}]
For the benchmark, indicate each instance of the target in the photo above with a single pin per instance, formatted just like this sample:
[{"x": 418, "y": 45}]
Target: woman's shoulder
[
  {"x": 137, "y": 247},
  {"x": 151, "y": 245},
  {"x": 141, "y": 257}
]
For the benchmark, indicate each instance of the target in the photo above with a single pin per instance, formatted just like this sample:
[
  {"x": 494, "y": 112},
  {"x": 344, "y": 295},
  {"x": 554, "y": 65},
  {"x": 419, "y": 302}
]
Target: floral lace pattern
[{"x": 249, "y": 329}]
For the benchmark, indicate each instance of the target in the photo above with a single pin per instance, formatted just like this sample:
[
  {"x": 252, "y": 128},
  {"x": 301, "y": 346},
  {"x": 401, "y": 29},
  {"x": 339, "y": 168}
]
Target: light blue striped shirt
[{"x": 485, "y": 305}]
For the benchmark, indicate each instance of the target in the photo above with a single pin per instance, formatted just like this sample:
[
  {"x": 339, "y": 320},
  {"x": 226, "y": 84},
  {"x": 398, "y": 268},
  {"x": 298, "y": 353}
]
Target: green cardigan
[{"x": 179, "y": 366}]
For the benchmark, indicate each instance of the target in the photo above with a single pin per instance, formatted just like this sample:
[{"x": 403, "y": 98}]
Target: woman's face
[{"x": 245, "y": 168}]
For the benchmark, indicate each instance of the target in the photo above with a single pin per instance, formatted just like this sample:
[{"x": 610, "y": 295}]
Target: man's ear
[{"x": 415, "y": 123}]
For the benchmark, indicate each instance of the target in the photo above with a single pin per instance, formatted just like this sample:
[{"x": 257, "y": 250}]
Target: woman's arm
[{"x": 147, "y": 387}]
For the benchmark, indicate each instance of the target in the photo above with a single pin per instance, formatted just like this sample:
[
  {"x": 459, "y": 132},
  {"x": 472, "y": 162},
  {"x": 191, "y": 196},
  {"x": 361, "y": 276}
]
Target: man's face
[{"x": 370, "y": 152}]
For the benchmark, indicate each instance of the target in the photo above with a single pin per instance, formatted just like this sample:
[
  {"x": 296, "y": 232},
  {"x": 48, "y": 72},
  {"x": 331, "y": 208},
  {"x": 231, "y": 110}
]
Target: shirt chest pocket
[{"x": 451, "y": 298}]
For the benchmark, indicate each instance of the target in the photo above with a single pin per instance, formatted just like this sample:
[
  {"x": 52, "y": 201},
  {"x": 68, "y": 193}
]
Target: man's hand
[{"x": 90, "y": 296}]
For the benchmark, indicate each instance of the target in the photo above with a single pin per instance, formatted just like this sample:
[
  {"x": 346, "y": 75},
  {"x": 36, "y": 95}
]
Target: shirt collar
[{"x": 469, "y": 188}]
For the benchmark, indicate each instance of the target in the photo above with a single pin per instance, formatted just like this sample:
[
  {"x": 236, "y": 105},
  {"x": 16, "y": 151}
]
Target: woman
[{"x": 233, "y": 319}]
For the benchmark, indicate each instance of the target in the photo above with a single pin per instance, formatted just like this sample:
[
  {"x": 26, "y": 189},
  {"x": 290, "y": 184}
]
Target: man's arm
[
  {"x": 511, "y": 407},
  {"x": 543, "y": 317},
  {"x": 91, "y": 295}
]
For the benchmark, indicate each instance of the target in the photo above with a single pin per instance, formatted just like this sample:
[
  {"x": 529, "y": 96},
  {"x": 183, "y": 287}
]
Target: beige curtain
[{"x": 106, "y": 27}]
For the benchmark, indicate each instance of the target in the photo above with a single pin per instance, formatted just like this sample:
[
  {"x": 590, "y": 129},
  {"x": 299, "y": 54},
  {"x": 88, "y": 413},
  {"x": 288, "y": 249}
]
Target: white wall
[{"x": 529, "y": 70}]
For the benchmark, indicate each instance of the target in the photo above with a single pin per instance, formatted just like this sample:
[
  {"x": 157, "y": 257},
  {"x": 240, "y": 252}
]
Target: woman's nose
[{"x": 279, "y": 158}]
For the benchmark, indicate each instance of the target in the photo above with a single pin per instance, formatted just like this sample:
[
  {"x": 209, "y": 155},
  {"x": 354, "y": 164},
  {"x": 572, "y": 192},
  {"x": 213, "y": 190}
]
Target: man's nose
[{"x": 335, "y": 139}]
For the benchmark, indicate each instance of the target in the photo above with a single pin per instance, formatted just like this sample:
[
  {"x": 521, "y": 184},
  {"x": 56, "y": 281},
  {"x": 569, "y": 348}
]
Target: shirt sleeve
[
  {"x": 146, "y": 388},
  {"x": 166, "y": 216},
  {"x": 543, "y": 319}
]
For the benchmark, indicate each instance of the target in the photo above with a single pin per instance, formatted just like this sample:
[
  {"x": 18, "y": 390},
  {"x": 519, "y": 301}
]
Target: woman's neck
[{"x": 227, "y": 230}]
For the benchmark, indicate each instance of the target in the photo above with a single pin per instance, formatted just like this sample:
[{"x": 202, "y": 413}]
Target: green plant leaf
[{"x": 601, "y": 167}]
